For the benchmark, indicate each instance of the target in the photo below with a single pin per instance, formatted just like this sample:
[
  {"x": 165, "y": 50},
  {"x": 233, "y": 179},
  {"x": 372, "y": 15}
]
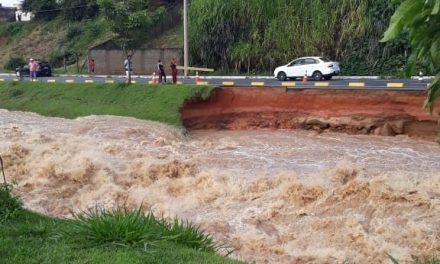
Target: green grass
[
  {"x": 33, "y": 238},
  {"x": 125, "y": 227},
  {"x": 98, "y": 236},
  {"x": 158, "y": 103}
]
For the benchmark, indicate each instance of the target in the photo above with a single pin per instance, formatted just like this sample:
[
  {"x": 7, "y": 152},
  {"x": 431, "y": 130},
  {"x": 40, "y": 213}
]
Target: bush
[
  {"x": 14, "y": 28},
  {"x": 56, "y": 58},
  {"x": 73, "y": 31},
  {"x": 43, "y": 9},
  {"x": 9, "y": 205},
  {"x": 78, "y": 10},
  {"x": 14, "y": 62},
  {"x": 131, "y": 227},
  {"x": 93, "y": 29}
]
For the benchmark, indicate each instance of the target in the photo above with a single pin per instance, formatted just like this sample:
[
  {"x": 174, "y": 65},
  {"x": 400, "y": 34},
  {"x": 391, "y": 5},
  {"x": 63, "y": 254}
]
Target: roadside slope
[{"x": 157, "y": 103}]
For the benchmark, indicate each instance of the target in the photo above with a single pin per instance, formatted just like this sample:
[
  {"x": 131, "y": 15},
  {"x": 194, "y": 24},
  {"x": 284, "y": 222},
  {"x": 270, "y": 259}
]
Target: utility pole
[{"x": 185, "y": 37}]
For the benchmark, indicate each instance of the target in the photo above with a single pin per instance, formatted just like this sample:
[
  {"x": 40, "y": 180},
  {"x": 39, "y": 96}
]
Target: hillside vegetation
[
  {"x": 158, "y": 103},
  {"x": 257, "y": 35},
  {"x": 51, "y": 40},
  {"x": 63, "y": 31},
  {"x": 234, "y": 36}
]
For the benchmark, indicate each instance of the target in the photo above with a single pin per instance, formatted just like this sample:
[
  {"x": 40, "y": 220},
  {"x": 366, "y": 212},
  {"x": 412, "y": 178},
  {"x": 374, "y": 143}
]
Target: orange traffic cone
[
  {"x": 197, "y": 79},
  {"x": 305, "y": 80},
  {"x": 154, "y": 78}
]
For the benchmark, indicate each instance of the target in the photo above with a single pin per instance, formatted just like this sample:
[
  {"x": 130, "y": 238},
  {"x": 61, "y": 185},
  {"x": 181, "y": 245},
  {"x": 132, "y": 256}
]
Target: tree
[
  {"x": 79, "y": 9},
  {"x": 129, "y": 20},
  {"x": 42, "y": 9},
  {"x": 421, "y": 18}
]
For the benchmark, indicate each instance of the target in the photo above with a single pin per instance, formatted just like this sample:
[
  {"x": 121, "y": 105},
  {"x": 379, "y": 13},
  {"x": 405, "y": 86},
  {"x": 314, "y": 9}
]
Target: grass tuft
[
  {"x": 431, "y": 261},
  {"x": 124, "y": 227},
  {"x": 188, "y": 234},
  {"x": 119, "y": 226},
  {"x": 426, "y": 261}
]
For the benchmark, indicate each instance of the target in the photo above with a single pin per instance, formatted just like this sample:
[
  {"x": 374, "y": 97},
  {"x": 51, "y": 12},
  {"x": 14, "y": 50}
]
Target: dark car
[{"x": 43, "y": 70}]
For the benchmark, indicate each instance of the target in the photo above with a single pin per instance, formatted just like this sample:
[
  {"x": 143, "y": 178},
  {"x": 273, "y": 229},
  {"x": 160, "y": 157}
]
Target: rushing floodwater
[{"x": 272, "y": 196}]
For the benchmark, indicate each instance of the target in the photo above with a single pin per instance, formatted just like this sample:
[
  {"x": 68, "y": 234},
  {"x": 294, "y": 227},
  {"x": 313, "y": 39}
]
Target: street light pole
[{"x": 185, "y": 37}]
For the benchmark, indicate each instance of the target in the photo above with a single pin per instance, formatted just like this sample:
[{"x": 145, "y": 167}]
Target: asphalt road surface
[{"x": 347, "y": 83}]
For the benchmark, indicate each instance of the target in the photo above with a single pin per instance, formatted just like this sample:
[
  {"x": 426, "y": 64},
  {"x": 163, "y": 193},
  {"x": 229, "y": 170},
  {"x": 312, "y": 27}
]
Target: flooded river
[{"x": 271, "y": 196}]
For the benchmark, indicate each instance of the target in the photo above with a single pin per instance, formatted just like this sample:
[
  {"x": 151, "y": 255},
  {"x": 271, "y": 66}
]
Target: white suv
[{"x": 315, "y": 67}]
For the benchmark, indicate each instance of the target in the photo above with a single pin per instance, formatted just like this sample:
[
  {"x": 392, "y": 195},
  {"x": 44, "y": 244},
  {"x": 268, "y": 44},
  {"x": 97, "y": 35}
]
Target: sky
[{"x": 9, "y": 2}]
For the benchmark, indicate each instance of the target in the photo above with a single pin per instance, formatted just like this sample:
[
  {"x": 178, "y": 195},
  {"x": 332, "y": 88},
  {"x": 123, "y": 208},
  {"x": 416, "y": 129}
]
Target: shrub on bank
[{"x": 9, "y": 205}]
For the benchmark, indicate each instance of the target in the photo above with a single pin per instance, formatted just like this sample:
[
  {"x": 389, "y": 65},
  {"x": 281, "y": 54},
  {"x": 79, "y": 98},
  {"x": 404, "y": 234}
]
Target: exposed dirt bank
[{"x": 377, "y": 112}]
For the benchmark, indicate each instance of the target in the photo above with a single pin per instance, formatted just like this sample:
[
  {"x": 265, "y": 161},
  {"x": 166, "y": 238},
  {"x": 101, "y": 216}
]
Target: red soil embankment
[{"x": 378, "y": 112}]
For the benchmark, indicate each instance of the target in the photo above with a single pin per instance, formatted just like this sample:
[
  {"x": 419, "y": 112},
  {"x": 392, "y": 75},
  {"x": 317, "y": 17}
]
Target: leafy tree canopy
[
  {"x": 79, "y": 9},
  {"x": 42, "y": 9},
  {"x": 69, "y": 9},
  {"x": 129, "y": 20},
  {"x": 422, "y": 19}
]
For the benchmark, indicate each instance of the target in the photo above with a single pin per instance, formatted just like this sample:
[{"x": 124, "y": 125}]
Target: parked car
[
  {"x": 315, "y": 67},
  {"x": 43, "y": 69}
]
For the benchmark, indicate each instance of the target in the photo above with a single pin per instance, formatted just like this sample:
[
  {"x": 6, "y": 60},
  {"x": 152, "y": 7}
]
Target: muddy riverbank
[{"x": 377, "y": 112}]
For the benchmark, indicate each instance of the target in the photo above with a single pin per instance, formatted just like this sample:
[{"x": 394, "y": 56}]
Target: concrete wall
[
  {"x": 144, "y": 61},
  {"x": 7, "y": 14}
]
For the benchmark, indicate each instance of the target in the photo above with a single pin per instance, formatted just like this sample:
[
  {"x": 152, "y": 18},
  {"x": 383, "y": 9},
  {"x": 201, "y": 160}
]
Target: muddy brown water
[{"x": 271, "y": 196}]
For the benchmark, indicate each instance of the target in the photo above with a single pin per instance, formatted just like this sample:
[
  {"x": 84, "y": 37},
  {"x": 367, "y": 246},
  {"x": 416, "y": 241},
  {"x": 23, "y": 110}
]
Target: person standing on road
[
  {"x": 92, "y": 67},
  {"x": 161, "y": 70},
  {"x": 173, "y": 67},
  {"x": 128, "y": 66},
  {"x": 33, "y": 69}
]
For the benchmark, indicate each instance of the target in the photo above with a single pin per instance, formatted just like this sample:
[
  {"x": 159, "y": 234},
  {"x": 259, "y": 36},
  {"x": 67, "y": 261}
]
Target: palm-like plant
[{"x": 422, "y": 19}]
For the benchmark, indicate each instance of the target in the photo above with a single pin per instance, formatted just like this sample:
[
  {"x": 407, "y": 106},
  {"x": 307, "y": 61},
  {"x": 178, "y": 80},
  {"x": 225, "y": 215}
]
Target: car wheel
[
  {"x": 328, "y": 78},
  {"x": 282, "y": 76},
  {"x": 317, "y": 76}
]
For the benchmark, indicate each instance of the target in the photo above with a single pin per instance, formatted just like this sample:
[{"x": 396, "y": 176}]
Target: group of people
[
  {"x": 160, "y": 69},
  {"x": 128, "y": 66}
]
